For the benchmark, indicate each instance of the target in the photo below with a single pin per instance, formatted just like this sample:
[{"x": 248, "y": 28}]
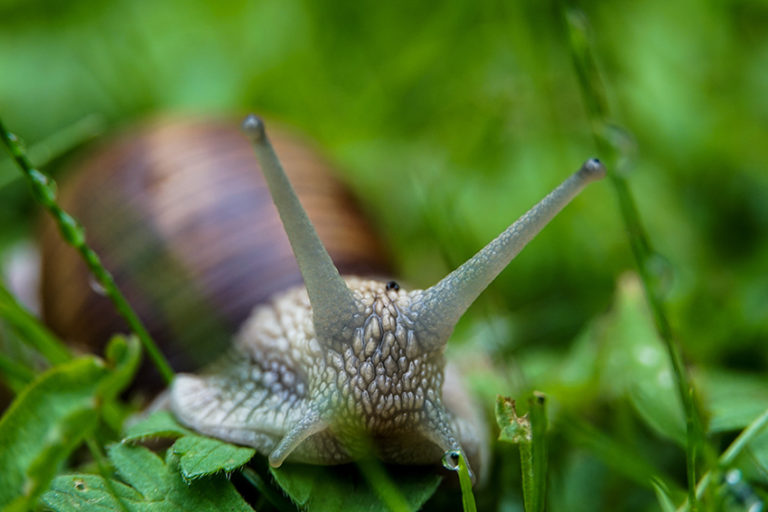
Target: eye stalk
[
  {"x": 436, "y": 310},
  {"x": 333, "y": 304},
  {"x": 439, "y": 308}
]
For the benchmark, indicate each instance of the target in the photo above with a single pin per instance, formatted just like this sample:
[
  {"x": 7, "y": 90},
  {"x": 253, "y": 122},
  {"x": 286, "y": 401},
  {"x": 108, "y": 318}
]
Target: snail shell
[{"x": 180, "y": 214}]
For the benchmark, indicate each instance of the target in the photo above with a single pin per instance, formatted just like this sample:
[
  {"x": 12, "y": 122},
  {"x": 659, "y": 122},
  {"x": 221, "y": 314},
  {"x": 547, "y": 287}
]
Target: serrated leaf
[
  {"x": 140, "y": 468},
  {"x": 200, "y": 456},
  {"x": 159, "y": 424},
  {"x": 45, "y": 422},
  {"x": 169, "y": 492},
  {"x": 75, "y": 493},
  {"x": 318, "y": 488},
  {"x": 52, "y": 416},
  {"x": 123, "y": 355}
]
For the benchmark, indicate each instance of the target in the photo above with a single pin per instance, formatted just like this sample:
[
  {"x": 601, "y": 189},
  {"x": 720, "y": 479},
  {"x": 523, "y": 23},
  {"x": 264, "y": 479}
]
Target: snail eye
[{"x": 392, "y": 285}]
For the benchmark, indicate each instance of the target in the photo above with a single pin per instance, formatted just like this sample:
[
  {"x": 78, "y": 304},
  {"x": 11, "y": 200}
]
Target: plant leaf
[
  {"x": 140, "y": 468},
  {"x": 30, "y": 330},
  {"x": 156, "y": 486},
  {"x": 158, "y": 424},
  {"x": 53, "y": 415},
  {"x": 636, "y": 364},
  {"x": 662, "y": 496},
  {"x": 734, "y": 399},
  {"x": 44, "y": 424},
  {"x": 317, "y": 488},
  {"x": 200, "y": 456},
  {"x": 90, "y": 492}
]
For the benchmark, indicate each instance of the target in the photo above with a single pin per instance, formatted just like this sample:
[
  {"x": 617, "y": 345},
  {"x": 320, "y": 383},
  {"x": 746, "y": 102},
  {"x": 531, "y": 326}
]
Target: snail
[{"x": 327, "y": 371}]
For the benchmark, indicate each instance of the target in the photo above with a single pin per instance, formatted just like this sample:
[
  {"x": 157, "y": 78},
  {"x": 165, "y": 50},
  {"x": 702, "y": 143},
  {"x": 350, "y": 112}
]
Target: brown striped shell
[{"x": 180, "y": 214}]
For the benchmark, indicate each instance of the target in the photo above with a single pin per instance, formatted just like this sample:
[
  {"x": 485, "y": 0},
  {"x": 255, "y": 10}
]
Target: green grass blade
[
  {"x": 44, "y": 190},
  {"x": 17, "y": 375},
  {"x": 730, "y": 454},
  {"x": 383, "y": 486},
  {"x": 538, "y": 486},
  {"x": 465, "y": 482},
  {"x": 30, "y": 330},
  {"x": 56, "y": 145},
  {"x": 529, "y": 432},
  {"x": 45, "y": 423},
  {"x": 269, "y": 493},
  {"x": 592, "y": 89}
]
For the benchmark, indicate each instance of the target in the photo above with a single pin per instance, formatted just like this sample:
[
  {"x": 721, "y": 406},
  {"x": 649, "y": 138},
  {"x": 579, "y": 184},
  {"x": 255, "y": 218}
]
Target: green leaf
[
  {"x": 89, "y": 492},
  {"x": 53, "y": 415},
  {"x": 759, "y": 449},
  {"x": 44, "y": 424},
  {"x": 141, "y": 468},
  {"x": 30, "y": 330},
  {"x": 317, "y": 488},
  {"x": 155, "y": 486},
  {"x": 158, "y": 424},
  {"x": 123, "y": 357},
  {"x": 200, "y": 456},
  {"x": 662, "y": 496},
  {"x": 636, "y": 363},
  {"x": 620, "y": 457},
  {"x": 734, "y": 399}
]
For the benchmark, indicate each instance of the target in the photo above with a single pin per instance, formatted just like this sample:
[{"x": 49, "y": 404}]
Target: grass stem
[
  {"x": 465, "y": 483},
  {"x": 44, "y": 190},
  {"x": 588, "y": 75},
  {"x": 729, "y": 455}
]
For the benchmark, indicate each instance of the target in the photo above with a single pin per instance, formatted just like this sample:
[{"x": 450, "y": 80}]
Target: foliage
[
  {"x": 53, "y": 416},
  {"x": 448, "y": 120},
  {"x": 154, "y": 484},
  {"x": 530, "y": 433}
]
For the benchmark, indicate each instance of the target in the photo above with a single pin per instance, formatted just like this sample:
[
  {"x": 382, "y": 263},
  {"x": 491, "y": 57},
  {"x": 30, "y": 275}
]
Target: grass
[{"x": 590, "y": 81}]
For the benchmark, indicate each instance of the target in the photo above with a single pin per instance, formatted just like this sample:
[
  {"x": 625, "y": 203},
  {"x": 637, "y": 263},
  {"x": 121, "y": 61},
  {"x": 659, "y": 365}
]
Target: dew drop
[
  {"x": 46, "y": 186},
  {"x": 662, "y": 274},
  {"x": 451, "y": 460},
  {"x": 96, "y": 286},
  {"x": 733, "y": 477}
]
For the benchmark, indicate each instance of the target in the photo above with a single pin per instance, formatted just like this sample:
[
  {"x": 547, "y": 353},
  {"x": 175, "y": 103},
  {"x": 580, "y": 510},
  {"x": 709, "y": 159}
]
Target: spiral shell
[{"x": 180, "y": 214}]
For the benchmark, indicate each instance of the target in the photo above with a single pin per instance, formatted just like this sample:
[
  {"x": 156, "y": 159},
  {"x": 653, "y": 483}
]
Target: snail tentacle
[
  {"x": 332, "y": 302},
  {"x": 439, "y": 308},
  {"x": 301, "y": 431}
]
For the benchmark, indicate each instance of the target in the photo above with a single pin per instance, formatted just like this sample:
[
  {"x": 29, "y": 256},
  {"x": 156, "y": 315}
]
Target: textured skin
[{"x": 376, "y": 389}]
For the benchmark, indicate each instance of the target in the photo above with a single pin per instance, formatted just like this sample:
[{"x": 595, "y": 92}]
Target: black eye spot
[{"x": 392, "y": 285}]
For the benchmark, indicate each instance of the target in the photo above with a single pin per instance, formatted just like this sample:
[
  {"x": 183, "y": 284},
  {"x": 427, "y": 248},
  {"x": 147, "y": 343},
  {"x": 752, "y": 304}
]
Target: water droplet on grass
[
  {"x": 96, "y": 286},
  {"x": 451, "y": 460}
]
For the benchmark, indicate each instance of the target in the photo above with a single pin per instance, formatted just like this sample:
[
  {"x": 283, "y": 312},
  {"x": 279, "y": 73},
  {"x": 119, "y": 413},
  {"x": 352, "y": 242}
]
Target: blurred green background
[{"x": 449, "y": 120}]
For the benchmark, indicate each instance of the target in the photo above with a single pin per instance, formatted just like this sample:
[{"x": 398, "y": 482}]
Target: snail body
[{"x": 339, "y": 367}]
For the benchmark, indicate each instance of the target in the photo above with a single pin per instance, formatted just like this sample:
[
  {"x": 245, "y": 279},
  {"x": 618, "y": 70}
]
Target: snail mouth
[{"x": 408, "y": 447}]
